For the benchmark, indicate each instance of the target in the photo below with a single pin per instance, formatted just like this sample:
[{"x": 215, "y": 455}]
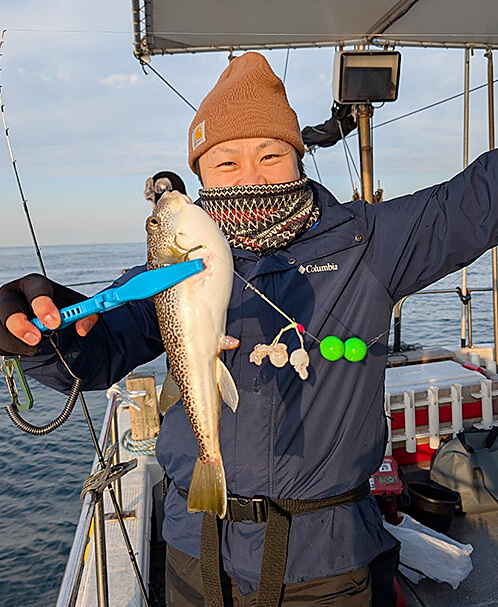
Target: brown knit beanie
[{"x": 248, "y": 101}]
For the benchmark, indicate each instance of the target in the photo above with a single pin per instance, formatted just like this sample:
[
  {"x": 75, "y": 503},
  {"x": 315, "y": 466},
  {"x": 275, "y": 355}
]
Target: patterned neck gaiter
[{"x": 261, "y": 217}]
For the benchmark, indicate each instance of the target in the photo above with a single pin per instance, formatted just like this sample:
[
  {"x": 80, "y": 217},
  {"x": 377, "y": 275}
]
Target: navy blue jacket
[{"x": 320, "y": 437}]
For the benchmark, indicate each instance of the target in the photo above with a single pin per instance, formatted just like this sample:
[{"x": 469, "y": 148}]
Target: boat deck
[{"x": 480, "y": 588}]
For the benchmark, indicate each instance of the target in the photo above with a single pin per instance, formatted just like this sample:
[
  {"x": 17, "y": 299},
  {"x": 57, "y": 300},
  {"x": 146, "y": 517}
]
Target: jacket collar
[{"x": 332, "y": 213}]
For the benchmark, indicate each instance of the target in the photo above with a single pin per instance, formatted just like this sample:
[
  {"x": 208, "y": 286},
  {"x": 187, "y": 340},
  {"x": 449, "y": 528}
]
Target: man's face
[{"x": 249, "y": 162}]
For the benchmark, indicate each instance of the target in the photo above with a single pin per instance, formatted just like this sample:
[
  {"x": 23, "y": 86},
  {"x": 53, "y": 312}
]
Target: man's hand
[{"x": 34, "y": 295}]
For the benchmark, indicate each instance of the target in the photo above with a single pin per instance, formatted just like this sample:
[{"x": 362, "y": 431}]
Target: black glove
[
  {"x": 329, "y": 132},
  {"x": 16, "y": 296}
]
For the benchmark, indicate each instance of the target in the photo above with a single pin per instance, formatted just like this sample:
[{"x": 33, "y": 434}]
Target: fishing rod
[
  {"x": 8, "y": 368},
  {"x": 11, "y": 366}
]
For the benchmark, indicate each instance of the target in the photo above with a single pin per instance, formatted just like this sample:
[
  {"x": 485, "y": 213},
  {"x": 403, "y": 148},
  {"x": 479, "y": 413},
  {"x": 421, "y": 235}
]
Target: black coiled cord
[{"x": 13, "y": 413}]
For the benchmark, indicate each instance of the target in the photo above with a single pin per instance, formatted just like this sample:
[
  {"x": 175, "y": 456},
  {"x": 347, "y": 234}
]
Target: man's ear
[{"x": 197, "y": 171}]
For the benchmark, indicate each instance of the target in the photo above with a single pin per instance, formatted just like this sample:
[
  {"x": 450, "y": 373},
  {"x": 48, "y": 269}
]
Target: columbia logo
[{"x": 311, "y": 269}]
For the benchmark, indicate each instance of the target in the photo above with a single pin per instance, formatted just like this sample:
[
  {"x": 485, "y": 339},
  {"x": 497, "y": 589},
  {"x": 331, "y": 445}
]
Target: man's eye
[
  {"x": 270, "y": 156},
  {"x": 227, "y": 163}
]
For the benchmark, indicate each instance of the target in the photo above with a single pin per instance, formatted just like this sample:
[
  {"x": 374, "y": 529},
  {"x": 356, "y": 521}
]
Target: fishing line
[
  {"x": 76, "y": 387},
  {"x": 11, "y": 409},
  {"x": 331, "y": 347},
  {"x": 286, "y": 65},
  {"x": 346, "y": 151},
  {"x": 412, "y": 113},
  {"x": 427, "y": 107},
  {"x": 293, "y": 321},
  {"x": 16, "y": 172},
  {"x": 344, "y": 38},
  {"x": 249, "y": 285},
  {"x": 91, "y": 282},
  {"x": 312, "y": 154},
  {"x": 302, "y": 329},
  {"x": 417, "y": 308},
  {"x": 144, "y": 65},
  {"x": 59, "y": 31}
]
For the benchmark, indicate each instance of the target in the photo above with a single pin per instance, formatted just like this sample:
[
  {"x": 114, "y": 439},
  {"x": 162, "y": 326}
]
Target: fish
[{"x": 192, "y": 319}]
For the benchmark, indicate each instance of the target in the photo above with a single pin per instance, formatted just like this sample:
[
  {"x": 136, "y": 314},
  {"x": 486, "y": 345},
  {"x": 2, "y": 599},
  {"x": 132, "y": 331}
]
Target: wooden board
[
  {"x": 144, "y": 423},
  {"x": 421, "y": 355}
]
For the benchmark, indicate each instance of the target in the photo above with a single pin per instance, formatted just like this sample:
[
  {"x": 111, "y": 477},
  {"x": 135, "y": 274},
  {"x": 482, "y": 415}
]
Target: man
[
  {"x": 164, "y": 181},
  {"x": 338, "y": 270}
]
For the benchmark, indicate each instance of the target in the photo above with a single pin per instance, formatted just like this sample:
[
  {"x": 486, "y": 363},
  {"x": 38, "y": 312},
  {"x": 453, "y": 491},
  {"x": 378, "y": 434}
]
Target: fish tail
[{"x": 208, "y": 490}]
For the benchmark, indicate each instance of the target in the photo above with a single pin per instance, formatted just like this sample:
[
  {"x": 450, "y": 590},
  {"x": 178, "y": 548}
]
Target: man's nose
[{"x": 251, "y": 174}]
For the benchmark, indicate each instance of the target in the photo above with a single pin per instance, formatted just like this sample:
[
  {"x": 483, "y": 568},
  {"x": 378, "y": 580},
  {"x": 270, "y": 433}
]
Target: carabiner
[{"x": 11, "y": 367}]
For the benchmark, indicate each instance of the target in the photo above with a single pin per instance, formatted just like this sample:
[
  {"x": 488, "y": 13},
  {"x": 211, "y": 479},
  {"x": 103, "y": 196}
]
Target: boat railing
[
  {"x": 74, "y": 568},
  {"x": 465, "y": 299}
]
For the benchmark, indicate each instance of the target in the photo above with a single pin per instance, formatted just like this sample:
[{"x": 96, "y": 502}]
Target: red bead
[{"x": 300, "y": 328}]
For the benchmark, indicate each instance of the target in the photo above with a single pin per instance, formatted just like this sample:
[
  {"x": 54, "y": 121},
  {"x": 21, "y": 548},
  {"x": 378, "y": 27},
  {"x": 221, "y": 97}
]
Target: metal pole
[
  {"x": 397, "y": 327},
  {"x": 135, "y": 11},
  {"x": 494, "y": 257},
  {"x": 365, "y": 112},
  {"x": 463, "y": 339},
  {"x": 469, "y": 319},
  {"x": 112, "y": 495},
  {"x": 100, "y": 553},
  {"x": 116, "y": 457}
]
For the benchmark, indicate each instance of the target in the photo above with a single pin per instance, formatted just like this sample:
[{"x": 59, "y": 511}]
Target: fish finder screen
[{"x": 361, "y": 84}]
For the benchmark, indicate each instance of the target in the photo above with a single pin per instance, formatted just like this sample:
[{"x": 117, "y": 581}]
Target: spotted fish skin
[{"x": 192, "y": 321}]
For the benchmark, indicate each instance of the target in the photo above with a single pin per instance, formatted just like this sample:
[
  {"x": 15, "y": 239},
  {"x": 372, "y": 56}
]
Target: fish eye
[{"x": 152, "y": 224}]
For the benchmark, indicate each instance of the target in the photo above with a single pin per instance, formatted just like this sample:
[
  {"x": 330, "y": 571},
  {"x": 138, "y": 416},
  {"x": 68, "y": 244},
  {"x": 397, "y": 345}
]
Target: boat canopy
[{"x": 188, "y": 26}]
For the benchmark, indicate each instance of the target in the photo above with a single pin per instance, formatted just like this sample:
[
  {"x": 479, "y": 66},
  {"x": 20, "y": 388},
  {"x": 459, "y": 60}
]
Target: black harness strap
[
  {"x": 210, "y": 562},
  {"x": 274, "y": 561},
  {"x": 277, "y": 513},
  {"x": 492, "y": 436}
]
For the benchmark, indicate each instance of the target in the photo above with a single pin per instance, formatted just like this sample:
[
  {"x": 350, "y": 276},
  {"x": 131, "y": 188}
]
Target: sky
[{"x": 88, "y": 126}]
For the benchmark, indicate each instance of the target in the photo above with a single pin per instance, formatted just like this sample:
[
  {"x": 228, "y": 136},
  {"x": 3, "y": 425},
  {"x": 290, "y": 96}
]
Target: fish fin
[
  {"x": 170, "y": 255},
  {"x": 170, "y": 393},
  {"x": 208, "y": 489},
  {"x": 228, "y": 389}
]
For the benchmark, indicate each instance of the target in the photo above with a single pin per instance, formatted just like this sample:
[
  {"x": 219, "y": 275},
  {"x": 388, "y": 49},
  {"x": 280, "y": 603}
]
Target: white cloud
[
  {"x": 122, "y": 81},
  {"x": 44, "y": 75},
  {"x": 32, "y": 76},
  {"x": 63, "y": 75}
]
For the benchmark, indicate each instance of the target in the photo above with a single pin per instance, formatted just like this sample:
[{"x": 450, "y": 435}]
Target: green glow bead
[
  {"x": 332, "y": 348},
  {"x": 355, "y": 349}
]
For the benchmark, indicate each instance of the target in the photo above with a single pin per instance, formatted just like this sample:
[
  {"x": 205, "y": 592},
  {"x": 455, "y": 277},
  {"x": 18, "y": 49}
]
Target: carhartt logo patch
[
  {"x": 312, "y": 268},
  {"x": 199, "y": 135}
]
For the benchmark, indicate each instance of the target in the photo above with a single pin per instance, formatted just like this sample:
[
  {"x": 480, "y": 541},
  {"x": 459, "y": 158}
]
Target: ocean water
[{"x": 41, "y": 477}]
